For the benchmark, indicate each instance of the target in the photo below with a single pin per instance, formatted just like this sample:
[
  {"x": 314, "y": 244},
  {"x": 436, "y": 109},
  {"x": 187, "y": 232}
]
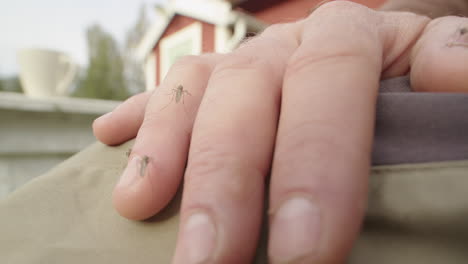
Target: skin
[
  {"x": 430, "y": 8},
  {"x": 288, "y": 94},
  {"x": 178, "y": 94}
]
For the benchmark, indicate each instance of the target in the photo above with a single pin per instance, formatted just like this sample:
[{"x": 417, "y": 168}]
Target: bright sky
[{"x": 60, "y": 25}]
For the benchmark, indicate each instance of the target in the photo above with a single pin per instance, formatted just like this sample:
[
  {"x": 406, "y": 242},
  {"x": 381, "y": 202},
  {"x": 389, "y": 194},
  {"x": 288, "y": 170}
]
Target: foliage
[
  {"x": 134, "y": 74},
  {"x": 104, "y": 77},
  {"x": 112, "y": 73},
  {"x": 11, "y": 84}
]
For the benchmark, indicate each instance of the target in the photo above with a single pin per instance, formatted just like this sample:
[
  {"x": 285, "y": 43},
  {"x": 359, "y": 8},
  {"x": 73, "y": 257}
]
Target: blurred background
[
  {"x": 63, "y": 63},
  {"x": 98, "y": 35}
]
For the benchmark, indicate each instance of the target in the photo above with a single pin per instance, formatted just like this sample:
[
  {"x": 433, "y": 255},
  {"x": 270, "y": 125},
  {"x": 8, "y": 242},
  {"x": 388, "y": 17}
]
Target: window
[{"x": 187, "y": 41}]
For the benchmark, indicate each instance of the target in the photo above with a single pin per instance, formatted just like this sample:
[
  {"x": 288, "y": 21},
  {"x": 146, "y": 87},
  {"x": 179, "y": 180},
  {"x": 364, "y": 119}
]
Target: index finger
[{"x": 322, "y": 154}]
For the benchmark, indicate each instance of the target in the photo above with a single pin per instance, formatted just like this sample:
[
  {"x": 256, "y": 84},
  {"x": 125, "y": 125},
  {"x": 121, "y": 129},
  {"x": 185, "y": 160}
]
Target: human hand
[
  {"x": 297, "y": 100},
  {"x": 430, "y": 8}
]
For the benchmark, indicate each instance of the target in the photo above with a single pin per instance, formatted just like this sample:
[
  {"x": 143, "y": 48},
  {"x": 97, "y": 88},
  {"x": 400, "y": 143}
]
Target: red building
[{"x": 196, "y": 26}]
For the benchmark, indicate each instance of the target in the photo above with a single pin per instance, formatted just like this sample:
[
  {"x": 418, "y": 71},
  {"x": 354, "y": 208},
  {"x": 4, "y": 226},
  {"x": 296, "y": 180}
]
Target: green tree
[
  {"x": 134, "y": 74},
  {"x": 104, "y": 77},
  {"x": 11, "y": 84}
]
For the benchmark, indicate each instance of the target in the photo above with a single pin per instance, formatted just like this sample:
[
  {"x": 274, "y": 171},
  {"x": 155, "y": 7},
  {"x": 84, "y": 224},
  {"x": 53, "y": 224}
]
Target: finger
[
  {"x": 322, "y": 155},
  {"x": 440, "y": 59},
  {"x": 158, "y": 157},
  {"x": 231, "y": 152},
  {"x": 123, "y": 123}
]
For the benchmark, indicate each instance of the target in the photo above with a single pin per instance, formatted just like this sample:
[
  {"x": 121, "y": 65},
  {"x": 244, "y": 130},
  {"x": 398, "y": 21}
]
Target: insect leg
[
  {"x": 143, "y": 164},
  {"x": 172, "y": 99}
]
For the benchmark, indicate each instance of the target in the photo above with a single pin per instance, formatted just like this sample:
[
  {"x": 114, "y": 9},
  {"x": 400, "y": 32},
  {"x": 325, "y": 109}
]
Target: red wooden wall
[
  {"x": 178, "y": 23},
  {"x": 279, "y": 11},
  {"x": 291, "y": 10}
]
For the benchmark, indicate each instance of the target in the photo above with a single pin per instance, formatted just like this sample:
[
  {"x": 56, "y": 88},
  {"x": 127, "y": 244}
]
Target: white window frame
[
  {"x": 222, "y": 36},
  {"x": 192, "y": 32},
  {"x": 150, "y": 71}
]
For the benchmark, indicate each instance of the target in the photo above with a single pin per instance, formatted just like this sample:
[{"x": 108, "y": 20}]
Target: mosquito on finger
[
  {"x": 128, "y": 152},
  {"x": 460, "y": 38},
  {"x": 143, "y": 165},
  {"x": 178, "y": 94}
]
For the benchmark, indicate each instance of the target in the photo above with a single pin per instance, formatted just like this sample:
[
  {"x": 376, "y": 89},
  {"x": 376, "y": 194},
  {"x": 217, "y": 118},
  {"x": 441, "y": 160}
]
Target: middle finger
[
  {"x": 322, "y": 156},
  {"x": 231, "y": 151}
]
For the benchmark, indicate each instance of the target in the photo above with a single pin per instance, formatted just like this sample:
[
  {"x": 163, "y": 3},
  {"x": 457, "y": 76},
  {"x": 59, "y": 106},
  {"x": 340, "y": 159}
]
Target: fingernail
[
  {"x": 136, "y": 168},
  {"x": 295, "y": 231},
  {"x": 198, "y": 239}
]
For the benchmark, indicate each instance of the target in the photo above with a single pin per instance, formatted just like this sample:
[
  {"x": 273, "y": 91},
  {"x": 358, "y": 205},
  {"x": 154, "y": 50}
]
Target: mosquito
[
  {"x": 143, "y": 164},
  {"x": 461, "y": 33},
  {"x": 178, "y": 95},
  {"x": 128, "y": 152}
]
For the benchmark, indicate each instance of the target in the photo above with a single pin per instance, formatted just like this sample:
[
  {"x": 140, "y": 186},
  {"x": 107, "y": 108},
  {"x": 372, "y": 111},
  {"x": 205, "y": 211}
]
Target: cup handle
[{"x": 72, "y": 68}]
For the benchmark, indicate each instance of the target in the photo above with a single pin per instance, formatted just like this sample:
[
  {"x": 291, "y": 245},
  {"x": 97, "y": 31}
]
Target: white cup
[{"x": 46, "y": 73}]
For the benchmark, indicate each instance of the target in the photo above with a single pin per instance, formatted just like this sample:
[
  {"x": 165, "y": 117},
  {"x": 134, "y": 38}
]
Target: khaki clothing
[{"x": 417, "y": 213}]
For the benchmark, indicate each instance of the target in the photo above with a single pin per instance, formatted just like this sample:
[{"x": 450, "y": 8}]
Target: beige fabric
[{"x": 417, "y": 214}]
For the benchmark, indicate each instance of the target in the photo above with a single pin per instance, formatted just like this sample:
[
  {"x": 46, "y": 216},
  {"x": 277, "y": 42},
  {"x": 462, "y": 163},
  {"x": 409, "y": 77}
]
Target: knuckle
[
  {"x": 268, "y": 32},
  {"x": 216, "y": 171},
  {"x": 315, "y": 142},
  {"x": 188, "y": 60},
  {"x": 275, "y": 40},
  {"x": 132, "y": 100},
  {"x": 281, "y": 38},
  {"x": 153, "y": 122},
  {"x": 344, "y": 20},
  {"x": 150, "y": 122},
  {"x": 196, "y": 65},
  {"x": 335, "y": 7},
  {"x": 275, "y": 29},
  {"x": 305, "y": 59},
  {"x": 257, "y": 66},
  {"x": 348, "y": 20}
]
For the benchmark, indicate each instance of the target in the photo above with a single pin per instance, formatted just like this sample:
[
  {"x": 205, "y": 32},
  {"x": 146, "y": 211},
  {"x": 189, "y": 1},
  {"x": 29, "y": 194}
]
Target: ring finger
[{"x": 158, "y": 157}]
